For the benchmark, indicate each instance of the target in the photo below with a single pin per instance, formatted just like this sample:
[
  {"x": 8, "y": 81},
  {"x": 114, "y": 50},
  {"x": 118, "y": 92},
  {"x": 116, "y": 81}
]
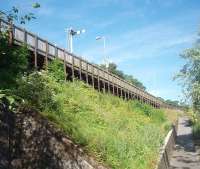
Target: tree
[
  {"x": 13, "y": 59},
  {"x": 112, "y": 67},
  {"x": 189, "y": 75},
  {"x": 14, "y": 14}
]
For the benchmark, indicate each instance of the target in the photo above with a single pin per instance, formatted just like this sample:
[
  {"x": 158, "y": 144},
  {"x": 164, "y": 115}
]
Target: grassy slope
[{"x": 124, "y": 135}]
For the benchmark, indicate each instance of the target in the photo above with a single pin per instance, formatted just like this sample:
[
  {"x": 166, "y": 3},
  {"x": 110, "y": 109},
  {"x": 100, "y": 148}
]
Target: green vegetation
[
  {"x": 189, "y": 77},
  {"x": 121, "y": 134},
  {"x": 13, "y": 62},
  {"x": 112, "y": 67}
]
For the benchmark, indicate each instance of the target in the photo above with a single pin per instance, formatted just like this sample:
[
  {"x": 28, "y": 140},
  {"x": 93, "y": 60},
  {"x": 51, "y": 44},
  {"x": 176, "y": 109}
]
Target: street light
[
  {"x": 70, "y": 34},
  {"x": 106, "y": 59}
]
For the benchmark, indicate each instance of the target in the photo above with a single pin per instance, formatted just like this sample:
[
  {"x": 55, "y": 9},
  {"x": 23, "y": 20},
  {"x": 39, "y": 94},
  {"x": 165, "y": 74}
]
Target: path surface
[{"x": 185, "y": 155}]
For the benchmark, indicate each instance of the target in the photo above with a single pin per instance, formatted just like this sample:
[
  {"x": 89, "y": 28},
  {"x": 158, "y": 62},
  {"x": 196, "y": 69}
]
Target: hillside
[{"x": 121, "y": 134}]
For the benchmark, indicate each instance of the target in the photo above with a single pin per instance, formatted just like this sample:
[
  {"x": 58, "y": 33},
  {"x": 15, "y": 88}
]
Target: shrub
[
  {"x": 38, "y": 90},
  {"x": 55, "y": 70},
  {"x": 13, "y": 63}
]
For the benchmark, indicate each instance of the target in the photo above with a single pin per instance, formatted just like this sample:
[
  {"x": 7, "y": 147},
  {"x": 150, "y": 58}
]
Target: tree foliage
[
  {"x": 189, "y": 75},
  {"x": 112, "y": 67},
  {"x": 15, "y": 15},
  {"x": 13, "y": 62},
  {"x": 55, "y": 69}
]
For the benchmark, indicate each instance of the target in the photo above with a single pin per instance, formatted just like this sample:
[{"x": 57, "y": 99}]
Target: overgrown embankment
[{"x": 121, "y": 134}]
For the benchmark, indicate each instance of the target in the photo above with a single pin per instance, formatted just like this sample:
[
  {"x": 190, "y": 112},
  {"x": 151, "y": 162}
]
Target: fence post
[
  {"x": 35, "y": 52},
  {"x": 10, "y": 33},
  {"x": 72, "y": 68},
  {"x": 46, "y": 55},
  {"x": 65, "y": 72}
]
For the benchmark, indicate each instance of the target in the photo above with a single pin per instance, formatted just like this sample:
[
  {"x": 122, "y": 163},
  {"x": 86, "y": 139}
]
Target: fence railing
[{"x": 48, "y": 49}]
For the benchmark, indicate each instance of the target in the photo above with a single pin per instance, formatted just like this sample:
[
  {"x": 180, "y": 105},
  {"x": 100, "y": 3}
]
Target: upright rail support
[
  {"x": 80, "y": 69},
  {"x": 65, "y": 72},
  {"x": 46, "y": 55},
  {"x": 72, "y": 68},
  {"x": 10, "y": 33},
  {"x": 35, "y": 52},
  {"x": 87, "y": 81}
]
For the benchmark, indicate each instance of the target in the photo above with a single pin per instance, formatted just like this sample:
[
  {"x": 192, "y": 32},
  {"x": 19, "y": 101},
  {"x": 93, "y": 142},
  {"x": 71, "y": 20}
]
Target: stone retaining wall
[{"x": 29, "y": 141}]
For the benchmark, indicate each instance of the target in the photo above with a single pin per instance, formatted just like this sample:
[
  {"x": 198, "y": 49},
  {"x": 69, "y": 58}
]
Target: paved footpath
[{"x": 185, "y": 155}]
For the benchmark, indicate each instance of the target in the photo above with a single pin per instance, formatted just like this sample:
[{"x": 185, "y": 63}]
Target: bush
[
  {"x": 38, "y": 91},
  {"x": 56, "y": 70},
  {"x": 13, "y": 62}
]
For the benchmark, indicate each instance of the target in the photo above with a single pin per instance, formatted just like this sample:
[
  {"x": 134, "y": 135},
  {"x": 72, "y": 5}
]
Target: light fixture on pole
[
  {"x": 70, "y": 34},
  {"x": 106, "y": 59}
]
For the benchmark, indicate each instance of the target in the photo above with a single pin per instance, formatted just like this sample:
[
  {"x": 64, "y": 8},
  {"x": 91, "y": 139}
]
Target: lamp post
[
  {"x": 106, "y": 61},
  {"x": 70, "y": 34}
]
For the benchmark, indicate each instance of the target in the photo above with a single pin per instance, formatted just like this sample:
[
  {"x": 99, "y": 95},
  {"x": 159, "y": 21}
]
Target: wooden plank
[
  {"x": 87, "y": 73},
  {"x": 46, "y": 55},
  {"x": 35, "y": 52},
  {"x": 98, "y": 80},
  {"x": 65, "y": 71},
  {"x": 117, "y": 90},
  {"x": 80, "y": 69},
  {"x": 72, "y": 68},
  {"x": 92, "y": 76}
]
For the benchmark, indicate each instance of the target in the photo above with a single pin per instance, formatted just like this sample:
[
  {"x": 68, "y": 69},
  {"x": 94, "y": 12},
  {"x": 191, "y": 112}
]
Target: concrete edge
[{"x": 166, "y": 150}]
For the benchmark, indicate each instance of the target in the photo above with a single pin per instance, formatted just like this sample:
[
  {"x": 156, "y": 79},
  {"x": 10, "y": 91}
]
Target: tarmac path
[{"x": 185, "y": 155}]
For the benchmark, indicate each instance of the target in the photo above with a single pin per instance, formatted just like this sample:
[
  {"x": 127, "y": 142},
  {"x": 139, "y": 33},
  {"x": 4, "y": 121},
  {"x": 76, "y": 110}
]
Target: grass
[{"x": 121, "y": 134}]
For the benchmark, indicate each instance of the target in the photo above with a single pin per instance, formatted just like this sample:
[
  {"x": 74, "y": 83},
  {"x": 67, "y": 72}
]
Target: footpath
[{"x": 186, "y": 154}]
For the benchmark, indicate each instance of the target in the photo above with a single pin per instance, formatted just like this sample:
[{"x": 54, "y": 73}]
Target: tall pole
[
  {"x": 70, "y": 34},
  {"x": 69, "y": 40},
  {"x": 105, "y": 58}
]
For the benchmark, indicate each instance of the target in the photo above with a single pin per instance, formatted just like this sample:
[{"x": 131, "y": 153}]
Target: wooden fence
[{"x": 99, "y": 78}]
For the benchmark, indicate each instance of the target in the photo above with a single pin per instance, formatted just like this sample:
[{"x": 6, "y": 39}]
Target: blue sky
[{"x": 144, "y": 37}]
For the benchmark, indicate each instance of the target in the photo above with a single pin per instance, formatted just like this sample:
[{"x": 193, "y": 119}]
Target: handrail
[{"x": 127, "y": 85}]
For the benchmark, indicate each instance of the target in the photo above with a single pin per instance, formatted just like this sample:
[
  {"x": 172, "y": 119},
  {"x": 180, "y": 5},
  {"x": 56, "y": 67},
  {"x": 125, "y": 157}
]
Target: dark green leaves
[{"x": 36, "y": 5}]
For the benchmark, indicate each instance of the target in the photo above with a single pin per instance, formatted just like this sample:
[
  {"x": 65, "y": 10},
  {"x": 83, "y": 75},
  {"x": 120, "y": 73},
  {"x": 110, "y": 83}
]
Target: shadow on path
[{"x": 185, "y": 155}]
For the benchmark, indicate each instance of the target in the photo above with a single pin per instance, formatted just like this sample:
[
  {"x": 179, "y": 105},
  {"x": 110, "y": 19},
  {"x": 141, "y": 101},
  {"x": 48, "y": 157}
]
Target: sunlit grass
[{"x": 122, "y": 134}]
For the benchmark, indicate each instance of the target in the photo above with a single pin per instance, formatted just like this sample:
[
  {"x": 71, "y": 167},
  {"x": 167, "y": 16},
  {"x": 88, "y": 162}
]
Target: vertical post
[
  {"x": 10, "y": 33},
  {"x": 128, "y": 95},
  {"x": 0, "y": 25},
  {"x": 93, "y": 77},
  {"x": 56, "y": 52},
  {"x": 72, "y": 68},
  {"x": 25, "y": 36},
  {"x": 80, "y": 69},
  {"x": 65, "y": 72},
  {"x": 117, "y": 90},
  {"x": 113, "y": 89},
  {"x": 87, "y": 73},
  {"x": 125, "y": 94},
  {"x": 104, "y": 86},
  {"x": 121, "y": 93},
  {"x": 35, "y": 52},
  {"x": 109, "y": 91},
  {"x": 98, "y": 80},
  {"x": 109, "y": 83},
  {"x": 46, "y": 56}
]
